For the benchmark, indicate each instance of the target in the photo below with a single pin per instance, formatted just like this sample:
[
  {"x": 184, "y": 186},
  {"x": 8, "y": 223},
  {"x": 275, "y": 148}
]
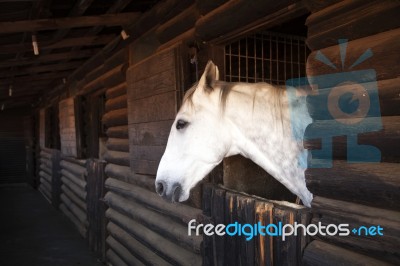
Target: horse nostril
[
  {"x": 160, "y": 188},
  {"x": 177, "y": 189}
]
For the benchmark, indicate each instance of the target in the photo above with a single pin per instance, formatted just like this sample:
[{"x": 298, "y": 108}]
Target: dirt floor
[{"x": 34, "y": 233}]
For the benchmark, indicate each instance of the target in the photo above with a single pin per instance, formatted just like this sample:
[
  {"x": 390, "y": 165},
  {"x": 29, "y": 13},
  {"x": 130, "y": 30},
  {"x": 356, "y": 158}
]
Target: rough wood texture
[
  {"x": 110, "y": 78},
  {"x": 117, "y": 157},
  {"x": 155, "y": 221},
  {"x": 136, "y": 248},
  {"x": 75, "y": 210},
  {"x": 351, "y": 20},
  {"x": 224, "y": 19},
  {"x": 74, "y": 188},
  {"x": 115, "y": 144},
  {"x": 383, "y": 247},
  {"x": 120, "y": 132},
  {"x": 386, "y": 140},
  {"x": 159, "y": 244},
  {"x": 116, "y": 118},
  {"x": 74, "y": 198},
  {"x": 119, "y": 102},
  {"x": 123, "y": 252},
  {"x": 321, "y": 253},
  {"x": 116, "y": 91},
  {"x": 383, "y": 45},
  {"x": 75, "y": 169},
  {"x": 67, "y": 127},
  {"x": 114, "y": 258},
  {"x": 124, "y": 173},
  {"x": 178, "y": 211},
  {"x": 75, "y": 221}
]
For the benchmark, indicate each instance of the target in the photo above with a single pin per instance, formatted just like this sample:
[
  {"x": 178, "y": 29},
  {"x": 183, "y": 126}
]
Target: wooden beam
[
  {"x": 66, "y": 23},
  {"x": 71, "y": 42},
  {"x": 49, "y": 58},
  {"x": 33, "y": 78},
  {"x": 38, "y": 69}
]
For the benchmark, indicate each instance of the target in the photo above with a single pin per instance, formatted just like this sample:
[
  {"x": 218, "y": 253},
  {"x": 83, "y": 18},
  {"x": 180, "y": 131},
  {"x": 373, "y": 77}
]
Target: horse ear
[{"x": 211, "y": 74}]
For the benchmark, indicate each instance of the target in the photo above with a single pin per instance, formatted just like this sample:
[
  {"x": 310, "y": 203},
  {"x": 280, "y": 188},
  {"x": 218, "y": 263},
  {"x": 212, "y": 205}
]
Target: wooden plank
[
  {"x": 226, "y": 18},
  {"x": 41, "y": 68},
  {"x": 162, "y": 82},
  {"x": 118, "y": 132},
  {"x": 119, "y": 102},
  {"x": 383, "y": 47},
  {"x": 67, "y": 127},
  {"x": 68, "y": 22},
  {"x": 157, "y": 222},
  {"x": 163, "y": 108},
  {"x": 205, "y": 6},
  {"x": 178, "y": 211},
  {"x": 117, "y": 157},
  {"x": 350, "y": 21},
  {"x": 46, "y": 45},
  {"x": 116, "y": 118},
  {"x": 246, "y": 215},
  {"x": 386, "y": 140},
  {"x": 232, "y": 245},
  {"x": 116, "y": 91},
  {"x": 74, "y": 188},
  {"x": 321, "y": 253},
  {"x": 133, "y": 247},
  {"x": 150, "y": 153},
  {"x": 115, "y": 144},
  {"x": 114, "y": 258},
  {"x": 75, "y": 169},
  {"x": 384, "y": 246},
  {"x": 150, "y": 133},
  {"x": 352, "y": 182},
  {"x": 146, "y": 167},
  {"x": 75, "y": 199},
  {"x": 122, "y": 252},
  {"x": 81, "y": 228},
  {"x": 165, "y": 248},
  {"x": 124, "y": 173},
  {"x": 75, "y": 210},
  {"x": 264, "y": 254}
]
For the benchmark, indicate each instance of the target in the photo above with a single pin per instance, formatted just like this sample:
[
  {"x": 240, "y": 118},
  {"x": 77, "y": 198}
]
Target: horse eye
[{"x": 181, "y": 124}]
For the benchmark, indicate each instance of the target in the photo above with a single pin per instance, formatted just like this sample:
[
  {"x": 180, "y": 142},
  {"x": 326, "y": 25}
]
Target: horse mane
[{"x": 226, "y": 89}]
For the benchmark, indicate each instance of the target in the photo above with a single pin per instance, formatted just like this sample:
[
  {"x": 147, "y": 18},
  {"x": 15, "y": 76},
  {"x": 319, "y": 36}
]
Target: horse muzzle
[{"x": 171, "y": 193}]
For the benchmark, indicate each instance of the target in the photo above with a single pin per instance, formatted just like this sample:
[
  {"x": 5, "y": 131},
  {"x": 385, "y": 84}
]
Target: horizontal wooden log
[
  {"x": 45, "y": 161},
  {"x": 321, "y": 253},
  {"x": 117, "y": 157},
  {"x": 233, "y": 15},
  {"x": 114, "y": 259},
  {"x": 136, "y": 248},
  {"x": 74, "y": 188},
  {"x": 155, "y": 221},
  {"x": 45, "y": 176},
  {"x": 82, "y": 229},
  {"x": 351, "y": 20},
  {"x": 384, "y": 246},
  {"x": 122, "y": 252},
  {"x": 46, "y": 194},
  {"x": 74, "y": 169},
  {"x": 110, "y": 78},
  {"x": 373, "y": 184},
  {"x": 46, "y": 169},
  {"x": 73, "y": 197},
  {"x": 124, "y": 173},
  {"x": 68, "y": 22},
  {"x": 383, "y": 47},
  {"x": 114, "y": 144},
  {"x": 118, "y": 132},
  {"x": 205, "y": 6},
  {"x": 179, "y": 211},
  {"x": 119, "y": 102},
  {"x": 46, "y": 186},
  {"x": 76, "y": 180},
  {"x": 49, "y": 45},
  {"x": 164, "y": 11},
  {"x": 165, "y": 248},
  {"x": 116, "y": 91},
  {"x": 80, "y": 162},
  {"x": 386, "y": 140},
  {"x": 116, "y": 118},
  {"x": 118, "y": 58},
  {"x": 45, "y": 154},
  {"x": 75, "y": 210},
  {"x": 178, "y": 25}
]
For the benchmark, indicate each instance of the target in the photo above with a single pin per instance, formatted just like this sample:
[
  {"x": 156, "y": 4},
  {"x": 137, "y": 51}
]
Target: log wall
[
  {"x": 358, "y": 194},
  {"x": 49, "y": 175}
]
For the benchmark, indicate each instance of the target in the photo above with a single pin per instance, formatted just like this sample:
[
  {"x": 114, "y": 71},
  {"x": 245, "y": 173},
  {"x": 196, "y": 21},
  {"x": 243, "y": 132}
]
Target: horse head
[{"x": 198, "y": 140}]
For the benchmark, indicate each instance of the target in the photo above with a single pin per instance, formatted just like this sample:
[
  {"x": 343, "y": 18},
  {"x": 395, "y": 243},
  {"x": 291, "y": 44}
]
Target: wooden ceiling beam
[
  {"x": 70, "y": 42},
  {"x": 49, "y": 58},
  {"x": 44, "y": 68},
  {"x": 66, "y": 23},
  {"x": 34, "y": 77}
]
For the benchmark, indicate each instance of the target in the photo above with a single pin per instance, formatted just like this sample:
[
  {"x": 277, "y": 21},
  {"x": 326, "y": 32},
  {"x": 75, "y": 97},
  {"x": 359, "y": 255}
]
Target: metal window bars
[{"x": 266, "y": 57}]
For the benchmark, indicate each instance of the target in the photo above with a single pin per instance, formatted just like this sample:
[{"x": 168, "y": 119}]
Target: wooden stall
[{"x": 104, "y": 113}]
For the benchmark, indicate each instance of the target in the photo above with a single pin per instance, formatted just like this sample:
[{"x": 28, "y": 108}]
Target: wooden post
[{"x": 95, "y": 206}]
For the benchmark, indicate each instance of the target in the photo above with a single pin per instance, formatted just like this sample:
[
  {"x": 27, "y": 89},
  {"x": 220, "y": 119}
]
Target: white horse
[{"x": 219, "y": 119}]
